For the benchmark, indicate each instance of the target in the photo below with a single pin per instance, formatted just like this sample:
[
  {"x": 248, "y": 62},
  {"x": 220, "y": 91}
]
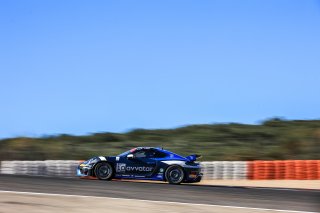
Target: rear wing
[{"x": 193, "y": 157}]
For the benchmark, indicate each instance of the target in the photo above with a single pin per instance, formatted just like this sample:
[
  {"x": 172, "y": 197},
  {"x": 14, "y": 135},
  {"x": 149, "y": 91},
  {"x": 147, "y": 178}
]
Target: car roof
[
  {"x": 148, "y": 147},
  {"x": 156, "y": 148}
]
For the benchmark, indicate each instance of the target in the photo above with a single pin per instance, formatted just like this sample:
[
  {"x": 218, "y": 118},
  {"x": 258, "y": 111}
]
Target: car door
[{"x": 139, "y": 166}]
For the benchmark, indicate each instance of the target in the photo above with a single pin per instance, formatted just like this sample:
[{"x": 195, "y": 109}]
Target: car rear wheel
[
  {"x": 174, "y": 174},
  {"x": 104, "y": 171}
]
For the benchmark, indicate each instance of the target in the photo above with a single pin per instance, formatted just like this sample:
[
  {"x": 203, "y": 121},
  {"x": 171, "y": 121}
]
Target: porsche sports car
[{"x": 144, "y": 163}]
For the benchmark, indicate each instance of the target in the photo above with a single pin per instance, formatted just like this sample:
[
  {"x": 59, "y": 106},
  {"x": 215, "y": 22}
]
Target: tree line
[{"x": 273, "y": 139}]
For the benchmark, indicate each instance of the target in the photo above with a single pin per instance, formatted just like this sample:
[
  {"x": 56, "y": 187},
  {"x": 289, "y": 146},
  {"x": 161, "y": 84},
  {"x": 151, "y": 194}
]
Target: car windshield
[{"x": 124, "y": 154}]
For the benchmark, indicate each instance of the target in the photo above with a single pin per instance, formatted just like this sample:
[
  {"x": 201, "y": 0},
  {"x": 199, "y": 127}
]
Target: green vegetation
[{"x": 273, "y": 139}]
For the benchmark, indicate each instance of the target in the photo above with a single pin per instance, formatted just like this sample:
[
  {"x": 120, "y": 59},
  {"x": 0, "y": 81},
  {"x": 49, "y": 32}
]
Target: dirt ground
[
  {"x": 294, "y": 184},
  {"x": 290, "y": 184}
]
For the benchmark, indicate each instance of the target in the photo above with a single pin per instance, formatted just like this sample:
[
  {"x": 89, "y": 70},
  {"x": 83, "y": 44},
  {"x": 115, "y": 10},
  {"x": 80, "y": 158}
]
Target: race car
[{"x": 144, "y": 163}]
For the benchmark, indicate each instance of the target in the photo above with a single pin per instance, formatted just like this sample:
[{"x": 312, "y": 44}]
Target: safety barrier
[
  {"x": 284, "y": 170},
  {"x": 59, "y": 168},
  {"x": 226, "y": 170},
  {"x": 212, "y": 170}
]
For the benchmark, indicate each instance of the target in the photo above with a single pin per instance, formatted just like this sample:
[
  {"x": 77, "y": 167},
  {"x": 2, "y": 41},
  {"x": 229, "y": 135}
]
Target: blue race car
[{"x": 144, "y": 163}]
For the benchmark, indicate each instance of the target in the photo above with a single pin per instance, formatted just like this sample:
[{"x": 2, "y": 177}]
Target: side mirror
[{"x": 130, "y": 156}]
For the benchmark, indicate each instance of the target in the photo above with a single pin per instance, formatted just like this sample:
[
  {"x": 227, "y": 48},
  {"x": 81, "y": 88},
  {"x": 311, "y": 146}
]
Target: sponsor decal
[
  {"x": 122, "y": 167},
  {"x": 117, "y": 158},
  {"x": 139, "y": 168},
  {"x": 161, "y": 170}
]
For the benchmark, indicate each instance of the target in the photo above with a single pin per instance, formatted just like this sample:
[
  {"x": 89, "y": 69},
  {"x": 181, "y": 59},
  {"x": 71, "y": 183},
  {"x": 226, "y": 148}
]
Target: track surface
[{"x": 298, "y": 200}]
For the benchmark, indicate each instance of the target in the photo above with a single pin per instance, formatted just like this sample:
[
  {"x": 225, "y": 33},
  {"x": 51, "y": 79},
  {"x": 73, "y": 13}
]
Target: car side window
[
  {"x": 140, "y": 154},
  {"x": 149, "y": 154},
  {"x": 159, "y": 154}
]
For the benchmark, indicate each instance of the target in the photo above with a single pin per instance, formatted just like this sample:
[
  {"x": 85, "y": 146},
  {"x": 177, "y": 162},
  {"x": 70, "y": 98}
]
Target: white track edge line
[{"x": 153, "y": 201}]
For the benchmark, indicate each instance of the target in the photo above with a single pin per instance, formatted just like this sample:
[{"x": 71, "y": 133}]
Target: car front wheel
[{"x": 104, "y": 171}]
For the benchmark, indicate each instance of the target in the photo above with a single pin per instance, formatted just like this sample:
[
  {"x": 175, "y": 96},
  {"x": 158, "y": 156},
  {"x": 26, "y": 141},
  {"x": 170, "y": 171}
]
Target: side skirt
[{"x": 136, "y": 177}]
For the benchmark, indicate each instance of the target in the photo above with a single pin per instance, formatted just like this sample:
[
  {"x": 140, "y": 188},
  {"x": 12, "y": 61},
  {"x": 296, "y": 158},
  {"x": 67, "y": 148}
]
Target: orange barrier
[
  {"x": 250, "y": 170},
  {"x": 279, "y": 170},
  {"x": 318, "y": 166},
  {"x": 300, "y": 169},
  {"x": 283, "y": 170},
  {"x": 263, "y": 170},
  {"x": 257, "y": 170},
  {"x": 312, "y": 170},
  {"x": 270, "y": 170},
  {"x": 290, "y": 171}
]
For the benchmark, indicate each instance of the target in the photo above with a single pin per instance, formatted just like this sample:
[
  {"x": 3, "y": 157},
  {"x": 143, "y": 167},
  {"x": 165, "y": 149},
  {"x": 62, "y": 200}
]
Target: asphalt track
[{"x": 280, "y": 199}]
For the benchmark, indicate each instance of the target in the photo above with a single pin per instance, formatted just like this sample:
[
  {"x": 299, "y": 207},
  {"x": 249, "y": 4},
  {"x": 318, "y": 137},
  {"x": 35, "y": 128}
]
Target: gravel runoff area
[{"x": 293, "y": 184}]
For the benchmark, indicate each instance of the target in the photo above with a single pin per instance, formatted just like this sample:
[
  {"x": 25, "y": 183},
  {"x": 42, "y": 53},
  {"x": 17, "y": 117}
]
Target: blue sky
[{"x": 80, "y": 67}]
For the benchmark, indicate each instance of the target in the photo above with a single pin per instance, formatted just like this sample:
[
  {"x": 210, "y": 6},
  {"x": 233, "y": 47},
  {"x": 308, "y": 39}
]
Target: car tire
[
  {"x": 104, "y": 171},
  {"x": 174, "y": 174}
]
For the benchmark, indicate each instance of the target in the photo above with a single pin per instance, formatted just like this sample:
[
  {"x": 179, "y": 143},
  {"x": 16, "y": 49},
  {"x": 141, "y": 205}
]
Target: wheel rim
[
  {"x": 104, "y": 171},
  {"x": 176, "y": 175}
]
